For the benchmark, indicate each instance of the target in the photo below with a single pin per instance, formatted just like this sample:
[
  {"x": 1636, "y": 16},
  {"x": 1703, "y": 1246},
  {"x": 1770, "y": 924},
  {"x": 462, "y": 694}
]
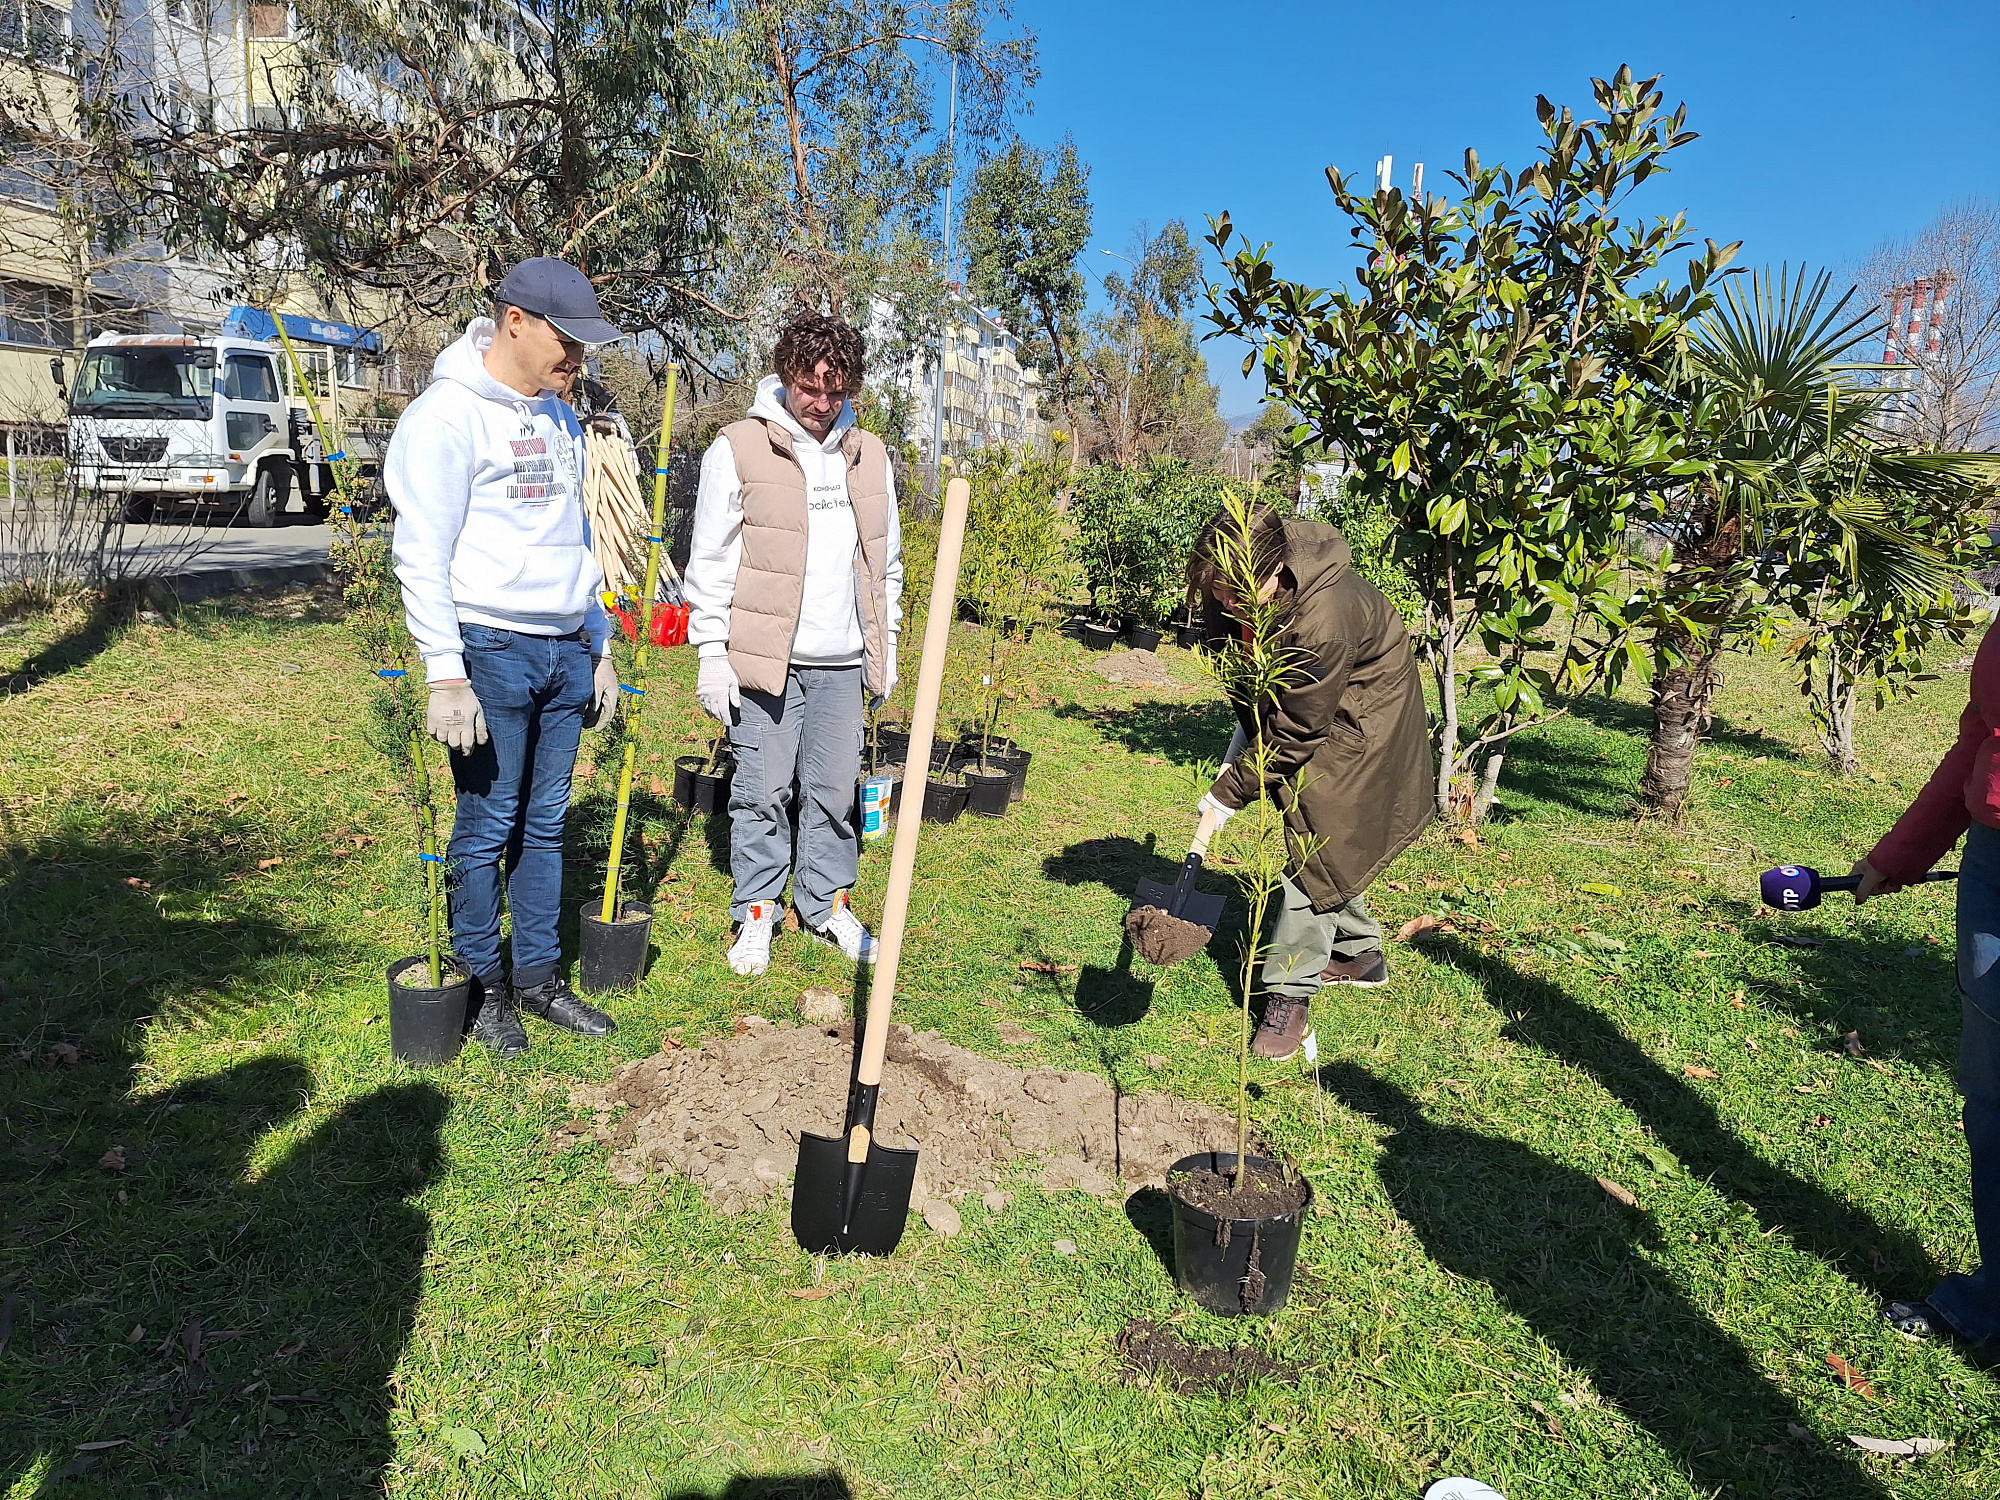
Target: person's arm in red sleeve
[{"x": 1935, "y": 820}]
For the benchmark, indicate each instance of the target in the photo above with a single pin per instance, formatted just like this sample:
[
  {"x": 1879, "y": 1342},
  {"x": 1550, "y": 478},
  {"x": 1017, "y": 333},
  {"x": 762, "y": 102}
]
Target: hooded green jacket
[{"x": 1350, "y": 764}]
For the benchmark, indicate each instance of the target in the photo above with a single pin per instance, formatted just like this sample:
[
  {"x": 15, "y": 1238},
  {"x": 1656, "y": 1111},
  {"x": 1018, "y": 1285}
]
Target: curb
[{"x": 206, "y": 583}]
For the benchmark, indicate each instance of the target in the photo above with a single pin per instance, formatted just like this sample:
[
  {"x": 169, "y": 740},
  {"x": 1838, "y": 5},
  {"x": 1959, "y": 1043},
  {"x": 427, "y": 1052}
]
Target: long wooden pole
[
  {"x": 903, "y": 862},
  {"x": 655, "y": 540}
]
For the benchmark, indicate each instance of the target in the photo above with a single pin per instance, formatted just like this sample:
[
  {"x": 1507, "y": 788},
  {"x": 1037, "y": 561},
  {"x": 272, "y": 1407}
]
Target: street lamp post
[{"x": 944, "y": 333}]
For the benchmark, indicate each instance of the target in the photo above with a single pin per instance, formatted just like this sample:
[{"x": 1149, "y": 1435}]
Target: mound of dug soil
[
  {"x": 1162, "y": 938},
  {"x": 728, "y": 1115}
]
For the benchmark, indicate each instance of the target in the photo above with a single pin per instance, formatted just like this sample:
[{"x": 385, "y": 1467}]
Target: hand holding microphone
[{"x": 1798, "y": 888}]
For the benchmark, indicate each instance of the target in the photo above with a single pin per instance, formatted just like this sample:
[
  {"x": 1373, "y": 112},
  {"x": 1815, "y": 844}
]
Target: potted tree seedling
[
  {"x": 428, "y": 991},
  {"x": 615, "y": 932},
  {"x": 1237, "y": 1217}
]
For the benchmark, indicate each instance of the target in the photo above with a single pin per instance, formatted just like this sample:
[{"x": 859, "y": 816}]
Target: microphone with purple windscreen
[{"x": 1796, "y": 888}]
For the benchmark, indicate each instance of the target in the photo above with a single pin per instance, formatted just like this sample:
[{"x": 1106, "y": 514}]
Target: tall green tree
[
  {"x": 1026, "y": 223},
  {"x": 1150, "y": 395},
  {"x": 1491, "y": 377}
]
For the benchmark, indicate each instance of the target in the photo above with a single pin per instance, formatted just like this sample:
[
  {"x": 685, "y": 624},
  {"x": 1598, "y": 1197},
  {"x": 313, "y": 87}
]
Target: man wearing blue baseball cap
[{"x": 493, "y": 553}]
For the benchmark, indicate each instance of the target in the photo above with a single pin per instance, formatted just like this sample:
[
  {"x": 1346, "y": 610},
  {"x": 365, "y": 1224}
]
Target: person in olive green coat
[{"x": 1349, "y": 756}]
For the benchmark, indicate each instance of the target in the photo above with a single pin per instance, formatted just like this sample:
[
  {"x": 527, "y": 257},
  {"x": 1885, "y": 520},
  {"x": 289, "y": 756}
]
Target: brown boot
[
  {"x": 1283, "y": 1030},
  {"x": 1365, "y": 970}
]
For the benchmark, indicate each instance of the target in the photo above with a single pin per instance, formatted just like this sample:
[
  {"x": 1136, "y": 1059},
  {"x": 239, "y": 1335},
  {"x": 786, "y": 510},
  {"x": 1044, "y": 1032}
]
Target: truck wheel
[
  {"x": 137, "y": 510},
  {"x": 268, "y": 498}
]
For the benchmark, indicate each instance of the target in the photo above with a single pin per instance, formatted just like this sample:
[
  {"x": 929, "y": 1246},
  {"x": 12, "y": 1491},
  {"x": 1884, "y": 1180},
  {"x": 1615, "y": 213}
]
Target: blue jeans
[
  {"x": 1971, "y": 1304},
  {"x": 513, "y": 797},
  {"x": 803, "y": 747}
]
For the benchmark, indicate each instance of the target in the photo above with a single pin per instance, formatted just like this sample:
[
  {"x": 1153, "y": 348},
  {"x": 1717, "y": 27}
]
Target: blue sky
[{"x": 1826, "y": 126}]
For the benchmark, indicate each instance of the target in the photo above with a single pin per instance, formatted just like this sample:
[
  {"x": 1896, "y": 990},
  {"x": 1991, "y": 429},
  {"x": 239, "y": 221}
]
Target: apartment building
[
  {"x": 990, "y": 397},
  {"x": 189, "y": 63}
]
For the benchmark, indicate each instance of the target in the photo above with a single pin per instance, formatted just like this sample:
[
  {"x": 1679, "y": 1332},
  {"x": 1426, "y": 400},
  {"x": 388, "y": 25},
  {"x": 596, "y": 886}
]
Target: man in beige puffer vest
[{"x": 794, "y": 580}]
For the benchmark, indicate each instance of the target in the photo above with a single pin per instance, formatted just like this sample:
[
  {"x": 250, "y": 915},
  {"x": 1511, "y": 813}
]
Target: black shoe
[
  {"x": 1916, "y": 1320},
  {"x": 555, "y": 1003},
  {"x": 498, "y": 1025}
]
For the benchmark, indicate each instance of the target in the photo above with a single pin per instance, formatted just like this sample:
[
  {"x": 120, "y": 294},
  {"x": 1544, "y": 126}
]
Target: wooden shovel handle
[
  {"x": 1204, "y": 831},
  {"x": 923, "y": 729}
]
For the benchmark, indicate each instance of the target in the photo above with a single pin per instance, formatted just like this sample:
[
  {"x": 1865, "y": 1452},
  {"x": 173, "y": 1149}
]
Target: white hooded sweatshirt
[
  {"x": 490, "y": 530},
  {"x": 829, "y": 631}
]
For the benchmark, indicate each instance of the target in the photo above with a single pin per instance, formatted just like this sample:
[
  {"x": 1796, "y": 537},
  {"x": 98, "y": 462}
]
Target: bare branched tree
[{"x": 1949, "y": 332}]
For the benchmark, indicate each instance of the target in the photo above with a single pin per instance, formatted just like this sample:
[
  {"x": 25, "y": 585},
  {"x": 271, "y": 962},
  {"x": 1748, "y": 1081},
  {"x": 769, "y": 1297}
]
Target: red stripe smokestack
[{"x": 1934, "y": 340}]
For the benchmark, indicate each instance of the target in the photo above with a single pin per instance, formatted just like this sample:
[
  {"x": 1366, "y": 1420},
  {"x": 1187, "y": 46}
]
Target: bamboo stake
[{"x": 654, "y": 540}]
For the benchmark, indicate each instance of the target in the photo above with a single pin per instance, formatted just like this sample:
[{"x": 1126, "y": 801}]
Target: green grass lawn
[{"x": 320, "y": 1273}]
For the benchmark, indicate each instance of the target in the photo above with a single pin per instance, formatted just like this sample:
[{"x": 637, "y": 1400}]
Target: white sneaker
[
  {"x": 844, "y": 930},
  {"x": 751, "y": 952}
]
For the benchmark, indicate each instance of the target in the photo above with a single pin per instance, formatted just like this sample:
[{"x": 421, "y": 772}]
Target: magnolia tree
[{"x": 1489, "y": 377}]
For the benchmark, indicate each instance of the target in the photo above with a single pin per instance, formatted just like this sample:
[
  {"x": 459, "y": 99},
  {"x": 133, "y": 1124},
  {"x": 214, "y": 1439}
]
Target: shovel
[
  {"x": 851, "y": 1193},
  {"x": 1192, "y": 915}
]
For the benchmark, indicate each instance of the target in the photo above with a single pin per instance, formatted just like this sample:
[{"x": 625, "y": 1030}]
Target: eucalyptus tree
[{"x": 1026, "y": 224}]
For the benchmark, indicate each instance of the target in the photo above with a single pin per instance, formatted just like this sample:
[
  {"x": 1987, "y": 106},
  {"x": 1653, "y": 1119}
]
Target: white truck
[{"x": 159, "y": 422}]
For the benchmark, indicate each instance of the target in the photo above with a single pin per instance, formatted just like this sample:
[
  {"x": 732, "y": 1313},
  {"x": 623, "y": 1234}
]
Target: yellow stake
[{"x": 661, "y": 461}]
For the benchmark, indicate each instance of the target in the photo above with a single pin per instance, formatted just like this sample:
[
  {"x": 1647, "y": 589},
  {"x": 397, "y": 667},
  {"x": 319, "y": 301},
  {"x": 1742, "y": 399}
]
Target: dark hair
[
  {"x": 1269, "y": 551},
  {"x": 811, "y": 338}
]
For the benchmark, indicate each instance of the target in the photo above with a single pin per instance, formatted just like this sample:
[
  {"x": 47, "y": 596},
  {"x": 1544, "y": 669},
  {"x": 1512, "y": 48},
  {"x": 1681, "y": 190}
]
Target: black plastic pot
[
  {"x": 968, "y": 748},
  {"x": 988, "y": 792},
  {"x": 711, "y": 790},
  {"x": 943, "y": 800},
  {"x": 1143, "y": 638},
  {"x": 895, "y": 746},
  {"x": 426, "y": 1026},
  {"x": 685, "y": 769},
  {"x": 946, "y": 756},
  {"x": 612, "y": 955},
  {"x": 1016, "y": 762},
  {"x": 1098, "y": 636},
  {"x": 1213, "y": 1265},
  {"x": 1188, "y": 637}
]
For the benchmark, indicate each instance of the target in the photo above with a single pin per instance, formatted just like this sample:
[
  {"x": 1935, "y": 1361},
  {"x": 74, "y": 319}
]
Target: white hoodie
[
  {"x": 829, "y": 631},
  {"x": 488, "y": 490}
]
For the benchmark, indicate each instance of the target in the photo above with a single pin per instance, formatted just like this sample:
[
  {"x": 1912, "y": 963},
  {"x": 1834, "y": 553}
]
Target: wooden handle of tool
[
  {"x": 1205, "y": 830},
  {"x": 916, "y": 770}
]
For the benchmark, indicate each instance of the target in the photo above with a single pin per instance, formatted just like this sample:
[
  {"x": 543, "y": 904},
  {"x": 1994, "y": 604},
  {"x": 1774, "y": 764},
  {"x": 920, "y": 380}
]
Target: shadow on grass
[
  {"x": 105, "y": 621},
  {"x": 1567, "y": 1262},
  {"x": 230, "y": 1321},
  {"x": 1636, "y": 719},
  {"x": 1114, "y": 996},
  {"x": 823, "y": 1486},
  {"x": 1185, "y": 733},
  {"x": 1544, "y": 1016},
  {"x": 1152, "y": 1214},
  {"x": 1568, "y": 771}
]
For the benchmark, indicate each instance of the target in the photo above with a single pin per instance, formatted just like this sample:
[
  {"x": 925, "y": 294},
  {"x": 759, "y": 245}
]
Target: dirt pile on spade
[
  {"x": 728, "y": 1115},
  {"x": 1162, "y": 938}
]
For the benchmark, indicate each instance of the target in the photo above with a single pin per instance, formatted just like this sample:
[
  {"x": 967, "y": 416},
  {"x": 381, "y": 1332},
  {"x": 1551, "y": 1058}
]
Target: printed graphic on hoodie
[
  {"x": 828, "y": 494},
  {"x": 535, "y": 483}
]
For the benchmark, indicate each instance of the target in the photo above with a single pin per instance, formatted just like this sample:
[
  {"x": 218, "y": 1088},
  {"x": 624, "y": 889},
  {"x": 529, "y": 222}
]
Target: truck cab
[{"x": 173, "y": 421}]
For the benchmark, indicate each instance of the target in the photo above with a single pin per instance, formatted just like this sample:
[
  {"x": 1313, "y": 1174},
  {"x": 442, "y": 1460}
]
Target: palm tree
[{"x": 1796, "y": 493}]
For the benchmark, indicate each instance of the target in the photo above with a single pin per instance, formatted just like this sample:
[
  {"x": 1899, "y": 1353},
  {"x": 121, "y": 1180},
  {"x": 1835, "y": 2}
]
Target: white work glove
[
  {"x": 888, "y": 679},
  {"x": 454, "y": 717},
  {"x": 1221, "y": 810},
  {"x": 603, "y": 692},
  {"x": 717, "y": 688}
]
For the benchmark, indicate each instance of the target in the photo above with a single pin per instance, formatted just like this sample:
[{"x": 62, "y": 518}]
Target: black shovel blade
[
  {"x": 888, "y": 1176},
  {"x": 1198, "y": 907}
]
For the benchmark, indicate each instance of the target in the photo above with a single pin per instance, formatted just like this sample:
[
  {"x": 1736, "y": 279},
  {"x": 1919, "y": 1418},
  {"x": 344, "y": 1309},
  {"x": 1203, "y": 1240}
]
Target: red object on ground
[
  {"x": 1964, "y": 787},
  {"x": 670, "y": 624}
]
